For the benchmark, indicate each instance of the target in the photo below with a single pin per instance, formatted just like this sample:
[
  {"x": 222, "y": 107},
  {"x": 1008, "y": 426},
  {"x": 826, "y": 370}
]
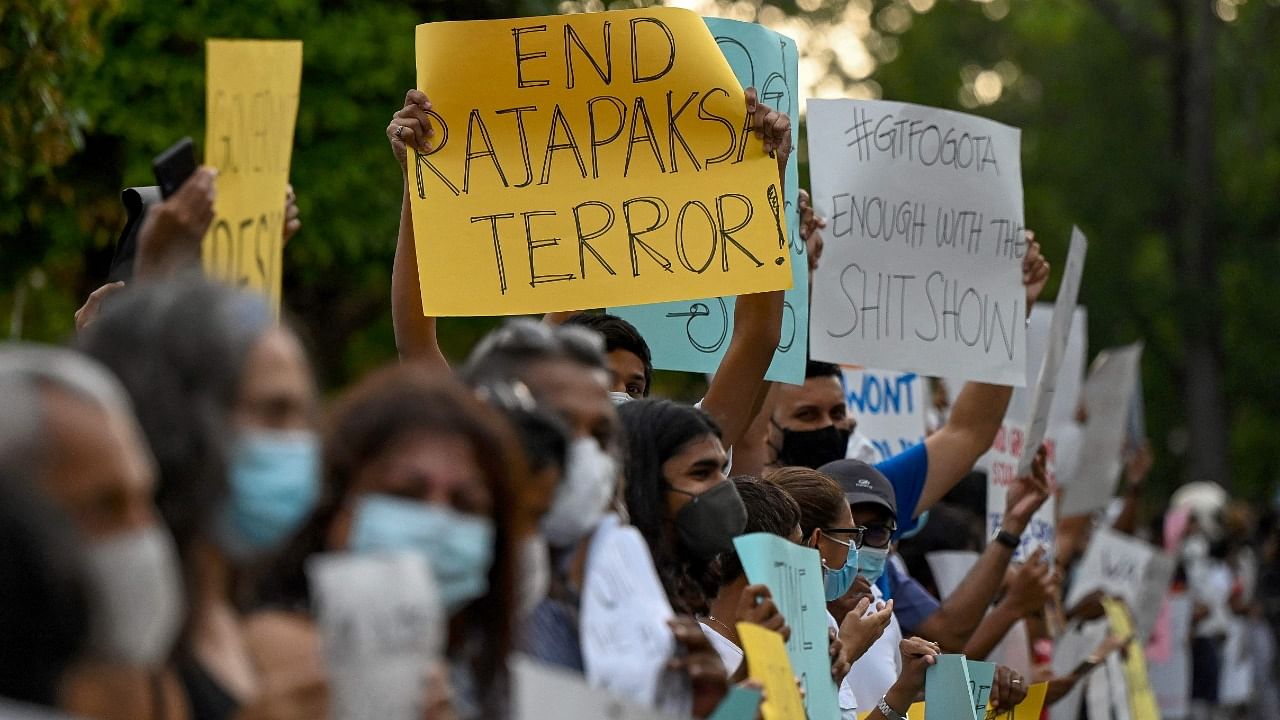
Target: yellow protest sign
[
  {"x": 251, "y": 104},
  {"x": 767, "y": 663},
  {"x": 1028, "y": 709},
  {"x": 1142, "y": 701},
  {"x": 589, "y": 160}
]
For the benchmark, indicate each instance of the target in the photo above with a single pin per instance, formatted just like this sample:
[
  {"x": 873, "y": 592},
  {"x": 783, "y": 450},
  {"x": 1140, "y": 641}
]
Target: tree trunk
[{"x": 1197, "y": 254}]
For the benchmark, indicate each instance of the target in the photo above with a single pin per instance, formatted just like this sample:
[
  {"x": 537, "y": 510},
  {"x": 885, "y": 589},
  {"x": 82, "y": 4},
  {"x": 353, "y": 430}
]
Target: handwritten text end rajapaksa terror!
[{"x": 617, "y": 135}]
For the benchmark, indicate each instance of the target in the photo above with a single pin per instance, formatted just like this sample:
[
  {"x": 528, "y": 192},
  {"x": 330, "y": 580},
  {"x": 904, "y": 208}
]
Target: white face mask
[
  {"x": 620, "y": 398},
  {"x": 535, "y": 573},
  {"x": 583, "y": 494},
  {"x": 138, "y": 603}
]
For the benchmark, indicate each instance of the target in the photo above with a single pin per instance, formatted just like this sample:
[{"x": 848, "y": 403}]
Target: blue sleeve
[
  {"x": 912, "y": 604},
  {"x": 907, "y": 472}
]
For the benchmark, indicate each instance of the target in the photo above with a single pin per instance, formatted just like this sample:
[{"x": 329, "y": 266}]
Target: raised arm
[
  {"x": 415, "y": 333},
  {"x": 979, "y": 409},
  {"x": 737, "y": 391},
  {"x": 962, "y": 611}
]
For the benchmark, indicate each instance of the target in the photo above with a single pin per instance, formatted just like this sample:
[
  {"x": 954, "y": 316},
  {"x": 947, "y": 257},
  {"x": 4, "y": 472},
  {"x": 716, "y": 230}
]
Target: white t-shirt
[
  {"x": 730, "y": 654},
  {"x": 875, "y": 672}
]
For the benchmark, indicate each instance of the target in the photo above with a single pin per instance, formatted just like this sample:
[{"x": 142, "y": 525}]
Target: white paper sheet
[
  {"x": 382, "y": 626},
  {"x": 924, "y": 242}
]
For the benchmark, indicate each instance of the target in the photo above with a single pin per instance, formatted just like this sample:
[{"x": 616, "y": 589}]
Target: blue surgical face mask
[
  {"x": 920, "y": 523},
  {"x": 275, "y": 482},
  {"x": 837, "y": 582},
  {"x": 871, "y": 562},
  {"x": 458, "y": 546}
]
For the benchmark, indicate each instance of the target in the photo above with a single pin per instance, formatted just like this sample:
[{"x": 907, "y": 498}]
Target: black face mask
[
  {"x": 813, "y": 448},
  {"x": 709, "y": 522}
]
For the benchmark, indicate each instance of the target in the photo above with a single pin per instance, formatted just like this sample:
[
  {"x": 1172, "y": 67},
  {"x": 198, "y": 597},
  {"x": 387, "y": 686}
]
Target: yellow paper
[
  {"x": 915, "y": 712},
  {"x": 1142, "y": 701},
  {"x": 767, "y": 663},
  {"x": 251, "y": 104},
  {"x": 589, "y": 160},
  {"x": 1028, "y": 709}
]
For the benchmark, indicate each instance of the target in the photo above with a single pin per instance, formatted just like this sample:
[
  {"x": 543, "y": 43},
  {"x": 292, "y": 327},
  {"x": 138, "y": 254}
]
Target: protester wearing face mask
[
  {"x": 194, "y": 358},
  {"x": 564, "y": 371},
  {"x": 414, "y": 462},
  {"x": 69, "y": 425},
  {"x": 769, "y": 510},
  {"x": 544, "y": 440},
  {"x": 826, "y": 522},
  {"x": 827, "y": 526},
  {"x": 45, "y": 591},
  {"x": 687, "y": 510},
  {"x": 873, "y": 509},
  {"x": 952, "y": 623}
]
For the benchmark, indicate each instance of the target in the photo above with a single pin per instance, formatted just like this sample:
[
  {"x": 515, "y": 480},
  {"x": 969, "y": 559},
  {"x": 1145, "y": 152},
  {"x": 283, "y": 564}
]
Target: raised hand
[
  {"x": 701, "y": 663},
  {"x": 755, "y": 605},
  {"x": 861, "y": 629},
  {"x": 1032, "y": 585},
  {"x": 171, "y": 235},
  {"x": 1035, "y": 271},
  {"x": 411, "y": 126},
  {"x": 1026, "y": 496},
  {"x": 771, "y": 126}
]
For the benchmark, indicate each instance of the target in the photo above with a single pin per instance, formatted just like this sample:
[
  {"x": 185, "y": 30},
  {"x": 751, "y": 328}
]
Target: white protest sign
[
  {"x": 949, "y": 568},
  {"x": 382, "y": 627},
  {"x": 924, "y": 242},
  {"x": 1125, "y": 567},
  {"x": 1059, "y": 333},
  {"x": 1107, "y": 395},
  {"x": 543, "y": 692},
  {"x": 626, "y": 642},
  {"x": 1169, "y": 672},
  {"x": 1071, "y": 648},
  {"x": 1002, "y": 466},
  {"x": 889, "y": 407},
  {"x": 1070, "y": 375}
]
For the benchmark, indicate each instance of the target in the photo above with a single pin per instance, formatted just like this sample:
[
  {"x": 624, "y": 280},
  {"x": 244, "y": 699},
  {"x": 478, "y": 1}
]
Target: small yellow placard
[
  {"x": 251, "y": 105},
  {"x": 1028, "y": 709},
  {"x": 589, "y": 160},
  {"x": 1142, "y": 701},
  {"x": 767, "y": 663}
]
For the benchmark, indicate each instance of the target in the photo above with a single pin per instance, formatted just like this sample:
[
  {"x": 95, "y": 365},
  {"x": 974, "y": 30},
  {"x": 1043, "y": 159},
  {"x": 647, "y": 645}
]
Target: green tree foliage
[
  {"x": 1180, "y": 205},
  {"x": 1118, "y": 102}
]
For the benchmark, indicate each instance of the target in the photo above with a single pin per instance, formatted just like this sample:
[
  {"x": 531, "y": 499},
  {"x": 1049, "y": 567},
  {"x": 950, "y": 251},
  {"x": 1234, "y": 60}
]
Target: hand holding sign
[
  {"x": 1028, "y": 493},
  {"x": 1032, "y": 586},
  {"x": 701, "y": 663},
  {"x": 172, "y": 231},
  {"x": 607, "y": 160}
]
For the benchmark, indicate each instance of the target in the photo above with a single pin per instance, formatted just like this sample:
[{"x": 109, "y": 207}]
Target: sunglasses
[{"x": 876, "y": 536}]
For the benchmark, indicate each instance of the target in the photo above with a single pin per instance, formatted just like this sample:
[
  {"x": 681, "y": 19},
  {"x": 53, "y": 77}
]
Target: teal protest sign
[
  {"x": 793, "y": 574},
  {"x": 693, "y": 336},
  {"x": 947, "y": 692}
]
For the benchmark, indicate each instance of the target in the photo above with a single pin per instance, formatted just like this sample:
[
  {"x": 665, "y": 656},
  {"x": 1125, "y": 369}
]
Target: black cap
[{"x": 862, "y": 484}]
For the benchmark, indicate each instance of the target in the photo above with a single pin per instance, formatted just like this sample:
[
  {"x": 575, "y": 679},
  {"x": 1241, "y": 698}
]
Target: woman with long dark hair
[
  {"x": 414, "y": 461},
  {"x": 678, "y": 495}
]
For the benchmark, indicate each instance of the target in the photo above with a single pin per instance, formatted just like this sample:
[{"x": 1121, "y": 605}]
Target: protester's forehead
[
  {"x": 580, "y": 394},
  {"x": 823, "y": 391}
]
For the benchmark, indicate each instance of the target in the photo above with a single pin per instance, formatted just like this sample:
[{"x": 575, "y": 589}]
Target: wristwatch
[
  {"x": 1007, "y": 539},
  {"x": 889, "y": 712}
]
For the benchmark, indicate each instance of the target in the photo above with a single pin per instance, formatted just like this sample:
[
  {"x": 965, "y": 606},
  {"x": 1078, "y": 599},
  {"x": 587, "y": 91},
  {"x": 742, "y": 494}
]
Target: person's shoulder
[
  {"x": 911, "y": 460},
  {"x": 281, "y": 640}
]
